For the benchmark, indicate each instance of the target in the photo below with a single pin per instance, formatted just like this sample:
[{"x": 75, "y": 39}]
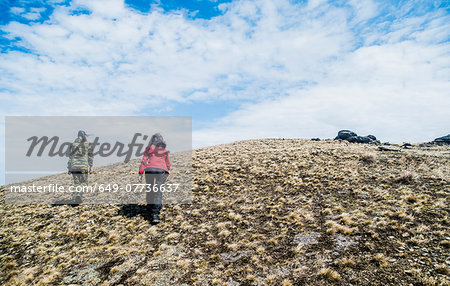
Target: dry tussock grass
[{"x": 269, "y": 212}]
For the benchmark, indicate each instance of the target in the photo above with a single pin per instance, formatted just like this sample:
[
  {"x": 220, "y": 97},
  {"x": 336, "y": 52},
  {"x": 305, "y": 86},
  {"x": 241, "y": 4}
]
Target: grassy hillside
[{"x": 265, "y": 212}]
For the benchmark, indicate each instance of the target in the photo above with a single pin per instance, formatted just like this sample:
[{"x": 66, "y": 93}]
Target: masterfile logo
[
  {"x": 113, "y": 146},
  {"x": 50, "y": 147}
]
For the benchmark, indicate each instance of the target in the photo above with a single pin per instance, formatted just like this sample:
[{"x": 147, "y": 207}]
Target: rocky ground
[{"x": 264, "y": 212}]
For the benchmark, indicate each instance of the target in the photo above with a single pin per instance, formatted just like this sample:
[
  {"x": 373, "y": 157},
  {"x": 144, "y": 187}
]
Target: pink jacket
[{"x": 155, "y": 157}]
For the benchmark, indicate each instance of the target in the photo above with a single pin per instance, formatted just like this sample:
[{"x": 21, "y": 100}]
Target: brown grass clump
[
  {"x": 407, "y": 177},
  {"x": 286, "y": 282},
  {"x": 368, "y": 158},
  {"x": 329, "y": 274},
  {"x": 347, "y": 219},
  {"x": 381, "y": 259},
  {"x": 345, "y": 262},
  {"x": 442, "y": 269},
  {"x": 334, "y": 227},
  {"x": 225, "y": 233}
]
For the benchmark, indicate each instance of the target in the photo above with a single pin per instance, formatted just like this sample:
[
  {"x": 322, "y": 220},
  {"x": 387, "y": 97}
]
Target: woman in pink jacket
[{"x": 156, "y": 165}]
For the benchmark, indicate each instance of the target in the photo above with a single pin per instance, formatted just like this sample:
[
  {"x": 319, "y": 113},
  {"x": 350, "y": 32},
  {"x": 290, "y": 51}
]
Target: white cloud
[
  {"x": 399, "y": 92},
  {"x": 17, "y": 10},
  {"x": 364, "y": 10},
  {"x": 313, "y": 4},
  {"x": 300, "y": 67},
  {"x": 31, "y": 15},
  {"x": 104, "y": 8},
  {"x": 169, "y": 56}
]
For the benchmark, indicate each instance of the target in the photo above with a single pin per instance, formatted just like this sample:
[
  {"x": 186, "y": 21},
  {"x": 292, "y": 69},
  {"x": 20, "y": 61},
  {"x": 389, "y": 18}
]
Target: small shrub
[
  {"x": 367, "y": 158},
  {"x": 407, "y": 177},
  {"x": 329, "y": 274}
]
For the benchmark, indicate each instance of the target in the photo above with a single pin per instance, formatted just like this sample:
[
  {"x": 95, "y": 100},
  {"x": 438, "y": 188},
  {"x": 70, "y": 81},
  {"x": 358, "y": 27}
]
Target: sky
[{"x": 241, "y": 69}]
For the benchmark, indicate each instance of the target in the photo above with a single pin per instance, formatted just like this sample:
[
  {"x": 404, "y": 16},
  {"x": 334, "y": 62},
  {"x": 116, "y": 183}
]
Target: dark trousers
[
  {"x": 80, "y": 178},
  {"x": 154, "y": 178}
]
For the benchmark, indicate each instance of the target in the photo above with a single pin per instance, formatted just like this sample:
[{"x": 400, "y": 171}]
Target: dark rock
[
  {"x": 352, "y": 137},
  {"x": 390, "y": 148},
  {"x": 406, "y": 146},
  {"x": 443, "y": 140},
  {"x": 363, "y": 139},
  {"x": 344, "y": 134},
  {"x": 429, "y": 144}
]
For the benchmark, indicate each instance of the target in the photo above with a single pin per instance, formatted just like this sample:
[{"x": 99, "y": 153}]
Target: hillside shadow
[
  {"x": 132, "y": 210},
  {"x": 70, "y": 202}
]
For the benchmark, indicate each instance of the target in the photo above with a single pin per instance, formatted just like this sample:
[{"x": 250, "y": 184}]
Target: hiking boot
[
  {"x": 76, "y": 202},
  {"x": 147, "y": 217},
  {"x": 156, "y": 219}
]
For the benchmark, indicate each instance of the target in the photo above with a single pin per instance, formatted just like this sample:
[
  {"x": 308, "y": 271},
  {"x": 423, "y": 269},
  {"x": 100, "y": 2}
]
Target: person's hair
[
  {"x": 82, "y": 134},
  {"x": 158, "y": 140}
]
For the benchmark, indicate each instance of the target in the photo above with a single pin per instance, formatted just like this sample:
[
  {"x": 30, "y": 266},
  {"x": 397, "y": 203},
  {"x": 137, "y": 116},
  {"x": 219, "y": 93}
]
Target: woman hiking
[{"x": 156, "y": 165}]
